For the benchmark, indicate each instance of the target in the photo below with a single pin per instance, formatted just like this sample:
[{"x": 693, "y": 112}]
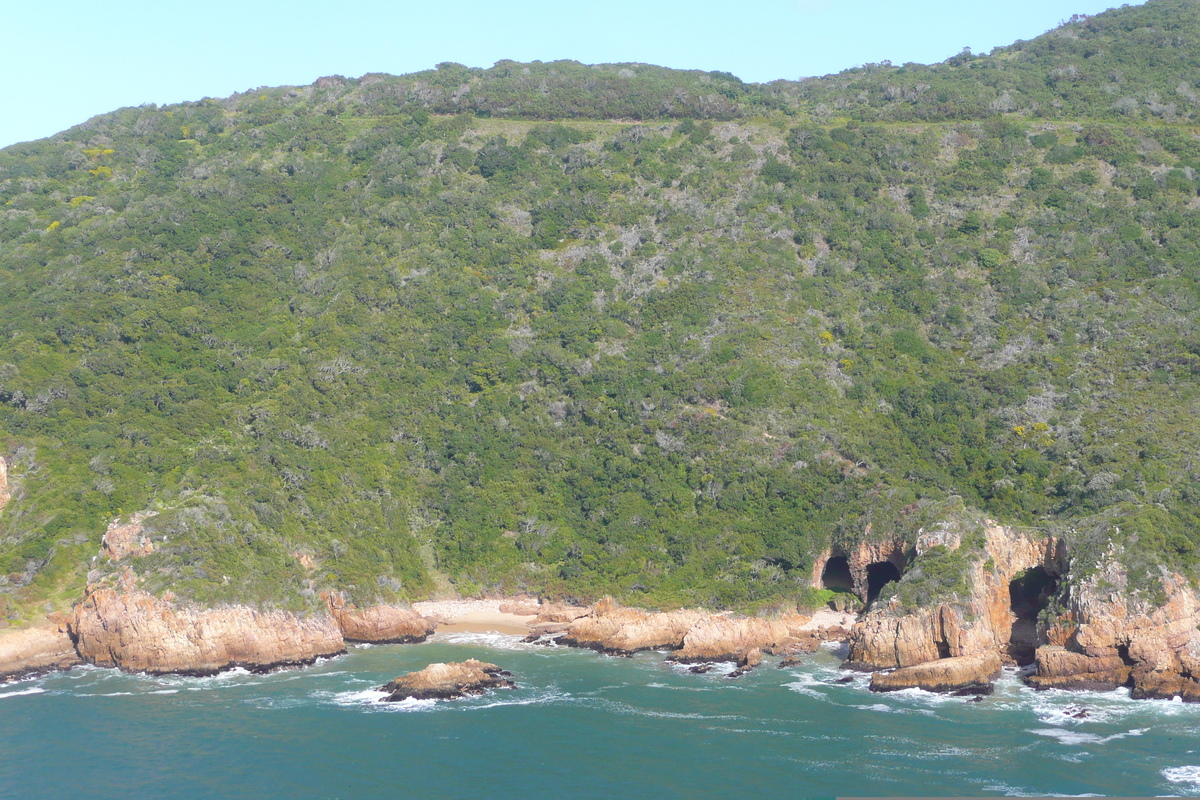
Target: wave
[
  {"x": 1189, "y": 775},
  {"x": 1080, "y": 737},
  {"x": 20, "y": 692}
]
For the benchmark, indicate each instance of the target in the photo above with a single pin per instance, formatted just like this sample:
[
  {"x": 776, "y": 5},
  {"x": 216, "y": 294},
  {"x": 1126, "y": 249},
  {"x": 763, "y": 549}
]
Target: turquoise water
[{"x": 578, "y": 726}]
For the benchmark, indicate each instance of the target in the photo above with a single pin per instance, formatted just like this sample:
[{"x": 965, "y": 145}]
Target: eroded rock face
[
  {"x": 124, "y": 627},
  {"x": 965, "y": 673},
  {"x": 378, "y": 624},
  {"x": 729, "y": 639},
  {"x": 623, "y": 631},
  {"x": 448, "y": 681},
  {"x": 1107, "y": 637},
  {"x": 978, "y": 624},
  {"x": 30, "y": 651},
  {"x": 121, "y": 541},
  {"x": 5, "y": 492}
]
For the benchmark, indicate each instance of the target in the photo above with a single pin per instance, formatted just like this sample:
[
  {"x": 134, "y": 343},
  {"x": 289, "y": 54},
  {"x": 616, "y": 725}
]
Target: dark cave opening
[
  {"x": 880, "y": 574},
  {"x": 836, "y": 575},
  {"x": 1028, "y": 594}
]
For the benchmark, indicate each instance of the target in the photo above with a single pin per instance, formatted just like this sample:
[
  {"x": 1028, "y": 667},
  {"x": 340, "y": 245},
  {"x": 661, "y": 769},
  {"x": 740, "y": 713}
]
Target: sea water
[{"x": 579, "y": 725}]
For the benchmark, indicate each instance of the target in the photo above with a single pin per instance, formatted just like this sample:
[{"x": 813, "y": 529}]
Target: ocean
[{"x": 579, "y": 725}]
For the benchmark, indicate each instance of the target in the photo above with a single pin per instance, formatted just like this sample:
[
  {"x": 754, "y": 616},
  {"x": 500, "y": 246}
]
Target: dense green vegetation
[{"x": 605, "y": 329}]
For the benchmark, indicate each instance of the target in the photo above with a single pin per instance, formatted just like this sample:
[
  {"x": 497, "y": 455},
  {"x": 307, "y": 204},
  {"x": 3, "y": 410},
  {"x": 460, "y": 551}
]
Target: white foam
[
  {"x": 496, "y": 641},
  {"x": 1079, "y": 737},
  {"x": 30, "y": 690},
  {"x": 1188, "y": 775}
]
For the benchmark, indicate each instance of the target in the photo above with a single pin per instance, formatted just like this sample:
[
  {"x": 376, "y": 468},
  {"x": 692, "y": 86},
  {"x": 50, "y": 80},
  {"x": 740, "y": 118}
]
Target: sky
[{"x": 72, "y": 60}]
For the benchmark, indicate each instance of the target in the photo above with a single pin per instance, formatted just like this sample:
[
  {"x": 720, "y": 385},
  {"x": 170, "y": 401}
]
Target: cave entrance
[
  {"x": 1029, "y": 592},
  {"x": 836, "y": 575},
  {"x": 879, "y": 575}
]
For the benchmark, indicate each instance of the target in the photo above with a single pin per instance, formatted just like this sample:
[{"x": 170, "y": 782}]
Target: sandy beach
[{"x": 473, "y": 616}]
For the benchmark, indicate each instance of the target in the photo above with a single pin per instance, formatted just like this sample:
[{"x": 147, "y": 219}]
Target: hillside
[{"x": 622, "y": 329}]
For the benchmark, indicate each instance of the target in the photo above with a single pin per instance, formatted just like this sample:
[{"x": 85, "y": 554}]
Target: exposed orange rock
[
  {"x": 622, "y": 631},
  {"x": 124, "y": 627},
  {"x": 378, "y": 624},
  {"x": 944, "y": 675},
  {"x": 1109, "y": 636},
  {"x": 975, "y": 625},
  {"x": 124, "y": 540},
  {"x": 448, "y": 681},
  {"x": 553, "y": 612},
  {"x": 718, "y": 638},
  {"x": 5, "y": 492},
  {"x": 28, "y": 651}
]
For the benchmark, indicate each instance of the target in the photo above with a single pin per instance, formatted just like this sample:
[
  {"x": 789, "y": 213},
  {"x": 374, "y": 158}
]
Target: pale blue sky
[{"x": 70, "y": 60}]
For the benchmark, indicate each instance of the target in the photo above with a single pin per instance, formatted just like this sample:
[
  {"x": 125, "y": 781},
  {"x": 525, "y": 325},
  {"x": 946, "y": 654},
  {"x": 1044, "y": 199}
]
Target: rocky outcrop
[
  {"x": 30, "y": 651},
  {"x": 128, "y": 539},
  {"x": 124, "y": 627},
  {"x": 964, "y": 674},
  {"x": 719, "y": 638},
  {"x": 979, "y": 623},
  {"x": 1110, "y": 634},
  {"x": 1059, "y": 668},
  {"x": 448, "y": 681},
  {"x": 612, "y": 629},
  {"x": 860, "y": 557},
  {"x": 378, "y": 624}
]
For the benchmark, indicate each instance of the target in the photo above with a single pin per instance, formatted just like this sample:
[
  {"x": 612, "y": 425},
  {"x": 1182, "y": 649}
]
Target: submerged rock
[
  {"x": 30, "y": 651},
  {"x": 448, "y": 681},
  {"x": 967, "y": 674}
]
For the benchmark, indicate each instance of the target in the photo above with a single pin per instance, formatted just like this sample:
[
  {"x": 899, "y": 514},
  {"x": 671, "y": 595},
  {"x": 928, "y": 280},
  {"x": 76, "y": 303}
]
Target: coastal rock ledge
[
  {"x": 448, "y": 681},
  {"x": 138, "y": 632},
  {"x": 966, "y": 674},
  {"x": 31, "y": 651}
]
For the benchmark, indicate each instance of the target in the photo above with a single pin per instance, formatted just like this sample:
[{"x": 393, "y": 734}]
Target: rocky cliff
[
  {"x": 1108, "y": 633},
  {"x": 33, "y": 650},
  {"x": 121, "y": 626},
  {"x": 978, "y": 622}
]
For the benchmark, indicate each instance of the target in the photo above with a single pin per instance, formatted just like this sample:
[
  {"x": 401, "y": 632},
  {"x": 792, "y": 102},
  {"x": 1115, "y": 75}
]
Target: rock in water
[
  {"x": 964, "y": 673},
  {"x": 623, "y": 631},
  {"x": 448, "y": 681}
]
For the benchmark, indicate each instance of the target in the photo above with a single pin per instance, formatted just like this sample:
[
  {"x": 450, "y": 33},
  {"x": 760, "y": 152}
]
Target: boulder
[
  {"x": 448, "y": 681},
  {"x": 944, "y": 675},
  {"x": 611, "y": 629},
  {"x": 378, "y": 624},
  {"x": 718, "y": 638}
]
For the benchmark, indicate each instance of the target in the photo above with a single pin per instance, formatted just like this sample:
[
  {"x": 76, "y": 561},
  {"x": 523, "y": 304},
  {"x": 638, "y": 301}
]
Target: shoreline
[{"x": 475, "y": 616}]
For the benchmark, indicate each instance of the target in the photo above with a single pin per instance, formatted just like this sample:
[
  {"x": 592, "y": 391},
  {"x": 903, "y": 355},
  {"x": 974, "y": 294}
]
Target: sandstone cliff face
[
  {"x": 448, "y": 681},
  {"x": 860, "y": 557},
  {"x": 5, "y": 492},
  {"x": 33, "y": 650},
  {"x": 980, "y": 623},
  {"x": 130, "y": 629},
  {"x": 1108, "y": 636},
  {"x": 378, "y": 624},
  {"x": 961, "y": 674}
]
